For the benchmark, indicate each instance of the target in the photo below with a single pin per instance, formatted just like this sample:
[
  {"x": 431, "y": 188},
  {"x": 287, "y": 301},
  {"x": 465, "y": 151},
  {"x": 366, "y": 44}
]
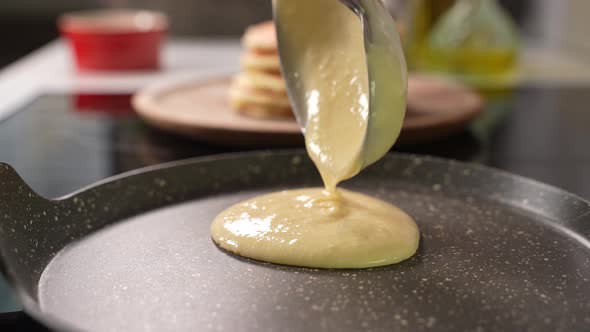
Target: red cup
[{"x": 121, "y": 39}]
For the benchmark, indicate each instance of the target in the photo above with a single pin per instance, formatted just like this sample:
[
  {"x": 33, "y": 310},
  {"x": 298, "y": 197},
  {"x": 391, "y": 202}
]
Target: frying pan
[{"x": 498, "y": 252}]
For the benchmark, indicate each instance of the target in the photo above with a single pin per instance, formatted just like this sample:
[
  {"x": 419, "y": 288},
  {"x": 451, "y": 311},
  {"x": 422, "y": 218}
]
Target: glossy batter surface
[
  {"x": 350, "y": 121},
  {"x": 310, "y": 227},
  {"x": 327, "y": 54},
  {"x": 348, "y": 88}
]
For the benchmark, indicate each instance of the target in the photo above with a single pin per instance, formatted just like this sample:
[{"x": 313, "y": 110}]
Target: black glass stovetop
[{"x": 61, "y": 143}]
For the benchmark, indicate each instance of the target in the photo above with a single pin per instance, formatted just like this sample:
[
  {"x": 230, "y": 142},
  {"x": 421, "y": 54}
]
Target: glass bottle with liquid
[
  {"x": 475, "y": 41},
  {"x": 417, "y": 17}
]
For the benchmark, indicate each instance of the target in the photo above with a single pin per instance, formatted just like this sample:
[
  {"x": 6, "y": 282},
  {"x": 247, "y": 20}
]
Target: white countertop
[{"x": 51, "y": 70}]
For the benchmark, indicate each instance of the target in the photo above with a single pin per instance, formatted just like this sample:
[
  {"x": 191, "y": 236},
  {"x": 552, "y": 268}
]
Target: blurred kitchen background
[
  {"x": 72, "y": 148},
  {"x": 27, "y": 24}
]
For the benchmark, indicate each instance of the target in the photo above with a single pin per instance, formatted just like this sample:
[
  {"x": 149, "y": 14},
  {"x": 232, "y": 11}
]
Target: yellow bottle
[
  {"x": 474, "y": 41},
  {"x": 418, "y": 18}
]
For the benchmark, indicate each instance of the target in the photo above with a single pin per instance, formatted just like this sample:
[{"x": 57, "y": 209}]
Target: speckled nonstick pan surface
[{"x": 498, "y": 253}]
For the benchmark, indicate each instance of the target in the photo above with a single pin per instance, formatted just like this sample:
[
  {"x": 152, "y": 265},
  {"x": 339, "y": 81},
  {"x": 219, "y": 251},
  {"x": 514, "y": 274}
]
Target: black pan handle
[
  {"x": 10, "y": 182},
  {"x": 15, "y": 195},
  {"x": 13, "y": 188}
]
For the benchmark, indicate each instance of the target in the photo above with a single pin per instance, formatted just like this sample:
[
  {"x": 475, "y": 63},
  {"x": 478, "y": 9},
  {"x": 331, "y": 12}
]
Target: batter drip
[{"x": 353, "y": 98}]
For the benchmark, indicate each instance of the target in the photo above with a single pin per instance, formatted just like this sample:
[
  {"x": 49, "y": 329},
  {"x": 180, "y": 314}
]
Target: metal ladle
[{"x": 380, "y": 35}]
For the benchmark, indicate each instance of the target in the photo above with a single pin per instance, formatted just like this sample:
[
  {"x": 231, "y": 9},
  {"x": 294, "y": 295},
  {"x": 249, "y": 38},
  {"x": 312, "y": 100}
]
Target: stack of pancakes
[{"x": 259, "y": 90}]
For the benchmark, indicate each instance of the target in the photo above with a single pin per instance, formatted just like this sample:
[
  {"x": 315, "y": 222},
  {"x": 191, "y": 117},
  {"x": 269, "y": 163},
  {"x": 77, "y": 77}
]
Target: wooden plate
[{"x": 436, "y": 108}]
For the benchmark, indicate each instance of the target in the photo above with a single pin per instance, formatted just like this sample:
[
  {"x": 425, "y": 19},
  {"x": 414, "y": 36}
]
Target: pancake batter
[{"x": 351, "y": 94}]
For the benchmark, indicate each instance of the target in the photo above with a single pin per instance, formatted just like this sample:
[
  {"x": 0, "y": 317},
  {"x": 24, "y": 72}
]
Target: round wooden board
[{"x": 436, "y": 108}]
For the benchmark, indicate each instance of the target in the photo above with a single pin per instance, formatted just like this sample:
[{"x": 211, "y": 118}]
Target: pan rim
[{"x": 302, "y": 153}]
